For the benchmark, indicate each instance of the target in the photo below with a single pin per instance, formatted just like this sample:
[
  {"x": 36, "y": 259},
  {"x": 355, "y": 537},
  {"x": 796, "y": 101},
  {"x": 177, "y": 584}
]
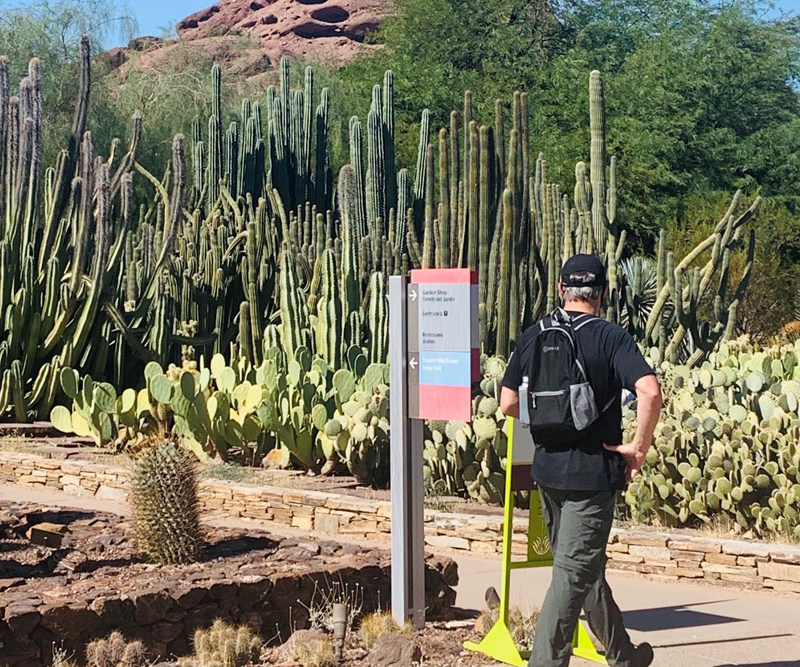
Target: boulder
[
  {"x": 69, "y": 622},
  {"x": 393, "y": 650},
  {"x": 332, "y": 31},
  {"x": 151, "y": 606},
  {"x": 308, "y": 642}
]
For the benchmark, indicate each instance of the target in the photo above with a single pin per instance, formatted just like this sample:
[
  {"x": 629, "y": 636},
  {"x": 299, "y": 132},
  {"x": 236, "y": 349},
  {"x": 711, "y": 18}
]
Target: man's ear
[{"x": 560, "y": 288}]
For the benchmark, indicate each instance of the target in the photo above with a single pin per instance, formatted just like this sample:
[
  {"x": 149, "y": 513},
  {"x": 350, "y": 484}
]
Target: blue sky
[
  {"x": 155, "y": 15},
  {"x": 788, "y": 5}
]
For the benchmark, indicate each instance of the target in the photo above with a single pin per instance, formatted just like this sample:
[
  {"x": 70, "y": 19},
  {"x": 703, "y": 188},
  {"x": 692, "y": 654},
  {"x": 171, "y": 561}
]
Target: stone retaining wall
[
  {"x": 270, "y": 590},
  {"x": 677, "y": 556},
  {"x": 672, "y": 555}
]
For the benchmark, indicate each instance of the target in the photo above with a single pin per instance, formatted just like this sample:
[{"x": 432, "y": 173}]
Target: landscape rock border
[
  {"x": 271, "y": 587},
  {"x": 669, "y": 555}
]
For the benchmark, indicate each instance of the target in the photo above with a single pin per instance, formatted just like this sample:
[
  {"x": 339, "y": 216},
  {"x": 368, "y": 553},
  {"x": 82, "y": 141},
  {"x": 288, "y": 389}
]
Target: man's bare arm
[
  {"x": 648, "y": 408},
  {"x": 509, "y": 402}
]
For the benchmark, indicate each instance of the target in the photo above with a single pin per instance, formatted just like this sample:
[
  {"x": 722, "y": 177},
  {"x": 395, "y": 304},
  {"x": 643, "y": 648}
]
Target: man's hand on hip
[
  {"x": 648, "y": 406},
  {"x": 634, "y": 458}
]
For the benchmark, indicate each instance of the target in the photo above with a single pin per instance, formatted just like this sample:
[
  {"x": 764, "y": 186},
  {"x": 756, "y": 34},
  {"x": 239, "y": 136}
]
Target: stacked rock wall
[
  {"x": 270, "y": 589},
  {"x": 674, "y": 555}
]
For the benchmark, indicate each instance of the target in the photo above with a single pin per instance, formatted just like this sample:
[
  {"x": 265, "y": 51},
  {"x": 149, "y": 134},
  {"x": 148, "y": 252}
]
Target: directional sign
[
  {"x": 443, "y": 343},
  {"x": 448, "y": 369}
]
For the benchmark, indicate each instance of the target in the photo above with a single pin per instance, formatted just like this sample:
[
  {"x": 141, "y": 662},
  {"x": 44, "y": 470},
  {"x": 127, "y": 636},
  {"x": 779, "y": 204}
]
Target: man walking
[{"x": 579, "y": 476}]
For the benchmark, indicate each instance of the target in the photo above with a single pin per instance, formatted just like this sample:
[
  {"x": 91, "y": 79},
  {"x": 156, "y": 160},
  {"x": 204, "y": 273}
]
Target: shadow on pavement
[
  {"x": 672, "y": 618},
  {"x": 779, "y": 663},
  {"x": 728, "y": 640}
]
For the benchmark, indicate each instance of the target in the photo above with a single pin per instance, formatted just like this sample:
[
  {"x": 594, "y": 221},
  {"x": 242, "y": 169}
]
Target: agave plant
[{"x": 639, "y": 281}]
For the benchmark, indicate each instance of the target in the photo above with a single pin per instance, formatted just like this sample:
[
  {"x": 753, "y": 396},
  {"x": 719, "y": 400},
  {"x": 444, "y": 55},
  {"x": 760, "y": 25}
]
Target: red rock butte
[{"x": 314, "y": 29}]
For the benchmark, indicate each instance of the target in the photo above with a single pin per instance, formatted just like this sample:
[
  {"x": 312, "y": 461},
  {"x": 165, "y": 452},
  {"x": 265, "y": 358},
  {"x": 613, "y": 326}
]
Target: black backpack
[{"x": 561, "y": 402}]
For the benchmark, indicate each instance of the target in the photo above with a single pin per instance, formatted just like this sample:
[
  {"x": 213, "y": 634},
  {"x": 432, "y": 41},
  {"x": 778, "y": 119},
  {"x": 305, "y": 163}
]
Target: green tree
[
  {"x": 700, "y": 94},
  {"x": 700, "y": 97},
  {"x": 440, "y": 48}
]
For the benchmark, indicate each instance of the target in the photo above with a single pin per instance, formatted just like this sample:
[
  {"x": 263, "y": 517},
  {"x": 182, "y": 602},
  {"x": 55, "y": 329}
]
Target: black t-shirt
[{"x": 613, "y": 362}]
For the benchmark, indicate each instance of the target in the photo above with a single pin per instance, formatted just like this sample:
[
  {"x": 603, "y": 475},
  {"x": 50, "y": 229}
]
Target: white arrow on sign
[
  {"x": 413, "y": 363},
  {"x": 413, "y": 294}
]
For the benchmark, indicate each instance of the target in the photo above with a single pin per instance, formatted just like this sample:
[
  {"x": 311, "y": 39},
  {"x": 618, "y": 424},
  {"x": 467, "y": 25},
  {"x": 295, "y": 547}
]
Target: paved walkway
[{"x": 689, "y": 624}]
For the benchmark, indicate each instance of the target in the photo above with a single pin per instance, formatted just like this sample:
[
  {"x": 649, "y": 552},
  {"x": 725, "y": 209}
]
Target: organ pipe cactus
[{"x": 70, "y": 220}]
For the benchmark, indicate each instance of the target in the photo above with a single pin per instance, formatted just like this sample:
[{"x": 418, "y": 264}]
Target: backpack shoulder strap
[
  {"x": 575, "y": 324},
  {"x": 570, "y": 324}
]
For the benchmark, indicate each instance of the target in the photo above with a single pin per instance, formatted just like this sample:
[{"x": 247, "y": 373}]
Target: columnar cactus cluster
[
  {"x": 246, "y": 244},
  {"x": 62, "y": 235},
  {"x": 114, "y": 651},
  {"x": 223, "y": 645},
  {"x": 248, "y": 251}
]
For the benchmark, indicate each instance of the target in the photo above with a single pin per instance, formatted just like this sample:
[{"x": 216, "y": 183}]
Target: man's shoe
[{"x": 642, "y": 655}]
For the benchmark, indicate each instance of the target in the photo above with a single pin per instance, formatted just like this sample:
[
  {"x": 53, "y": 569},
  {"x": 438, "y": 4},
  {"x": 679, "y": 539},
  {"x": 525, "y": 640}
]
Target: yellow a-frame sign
[{"x": 498, "y": 643}]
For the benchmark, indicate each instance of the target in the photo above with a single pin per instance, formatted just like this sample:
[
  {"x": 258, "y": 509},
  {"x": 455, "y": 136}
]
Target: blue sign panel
[{"x": 445, "y": 369}]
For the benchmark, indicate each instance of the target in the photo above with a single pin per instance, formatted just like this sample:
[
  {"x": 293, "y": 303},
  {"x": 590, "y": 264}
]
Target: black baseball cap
[{"x": 594, "y": 273}]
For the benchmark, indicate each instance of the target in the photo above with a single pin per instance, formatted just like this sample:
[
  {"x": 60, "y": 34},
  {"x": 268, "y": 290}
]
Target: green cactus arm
[
  {"x": 66, "y": 166},
  {"x": 704, "y": 245},
  {"x": 503, "y": 297}
]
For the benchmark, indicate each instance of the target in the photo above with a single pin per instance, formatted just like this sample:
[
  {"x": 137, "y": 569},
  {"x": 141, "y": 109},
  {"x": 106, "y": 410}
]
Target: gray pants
[{"x": 578, "y": 523}]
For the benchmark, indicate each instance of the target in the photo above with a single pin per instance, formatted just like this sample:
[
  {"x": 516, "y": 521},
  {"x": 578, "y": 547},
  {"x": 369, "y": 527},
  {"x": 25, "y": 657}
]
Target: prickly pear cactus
[
  {"x": 470, "y": 459},
  {"x": 727, "y": 443}
]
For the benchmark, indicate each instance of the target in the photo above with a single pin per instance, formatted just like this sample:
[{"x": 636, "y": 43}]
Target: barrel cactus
[{"x": 166, "y": 508}]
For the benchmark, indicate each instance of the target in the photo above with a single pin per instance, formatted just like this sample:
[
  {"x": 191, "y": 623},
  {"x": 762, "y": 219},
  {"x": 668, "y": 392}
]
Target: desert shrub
[
  {"x": 521, "y": 625},
  {"x": 320, "y": 608},
  {"x": 380, "y": 623}
]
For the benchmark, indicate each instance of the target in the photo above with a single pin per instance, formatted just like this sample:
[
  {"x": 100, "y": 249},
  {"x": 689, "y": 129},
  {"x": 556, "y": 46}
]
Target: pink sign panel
[{"x": 443, "y": 343}]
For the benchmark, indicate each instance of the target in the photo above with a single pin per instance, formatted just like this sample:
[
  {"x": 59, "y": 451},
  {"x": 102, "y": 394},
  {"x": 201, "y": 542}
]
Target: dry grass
[
  {"x": 106, "y": 457},
  {"x": 276, "y": 478},
  {"x": 722, "y": 526},
  {"x": 441, "y": 504},
  {"x": 228, "y": 472},
  {"x": 233, "y": 472},
  {"x": 61, "y": 658},
  {"x": 29, "y": 445},
  {"x": 381, "y": 623},
  {"x": 316, "y": 651},
  {"x": 521, "y": 625}
]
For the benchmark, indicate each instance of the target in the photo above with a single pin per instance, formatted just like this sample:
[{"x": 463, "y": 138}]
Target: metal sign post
[
  {"x": 407, "y": 487},
  {"x": 433, "y": 361}
]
